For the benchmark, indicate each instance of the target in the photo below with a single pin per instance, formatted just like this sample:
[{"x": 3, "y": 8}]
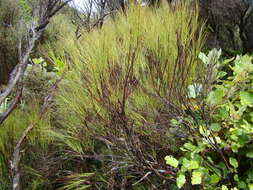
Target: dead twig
[
  {"x": 144, "y": 177},
  {"x": 13, "y": 105},
  {"x": 33, "y": 34}
]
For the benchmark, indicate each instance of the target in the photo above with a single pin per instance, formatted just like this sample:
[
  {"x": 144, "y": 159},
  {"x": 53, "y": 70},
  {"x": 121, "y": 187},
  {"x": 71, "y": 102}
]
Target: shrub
[
  {"x": 37, "y": 82},
  {"x": 12, "y": 13},
  {"x": 218, "y": 155},
  {"x": 125, "y": 85},
  {"x": 37, "y": 143}
]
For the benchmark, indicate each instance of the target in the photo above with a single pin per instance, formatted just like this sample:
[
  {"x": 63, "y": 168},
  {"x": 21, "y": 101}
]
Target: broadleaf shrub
[{"x": 218, "y": 154}]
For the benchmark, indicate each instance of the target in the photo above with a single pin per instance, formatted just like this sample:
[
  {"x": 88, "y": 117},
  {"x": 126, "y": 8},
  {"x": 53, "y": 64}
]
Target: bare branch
[
  {"x": 34, "y": 33},
  {"x": 13, "y": 105}
]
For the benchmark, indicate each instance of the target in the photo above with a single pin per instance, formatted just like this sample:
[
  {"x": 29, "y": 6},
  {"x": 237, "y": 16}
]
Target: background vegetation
[{"x": 136, "y": 100}]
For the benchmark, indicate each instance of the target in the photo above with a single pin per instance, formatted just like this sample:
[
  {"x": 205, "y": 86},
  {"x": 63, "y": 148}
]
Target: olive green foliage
[
  {"x": 39, "y": 159},
  {"x": 13, "y": 15},
  {"x": 26, "y": 10},
  {"x": 60, "y": 32},
  {"x": 12, "y": 129},
  {"x": 120, "y": 79},
  {"x": 139, "y": 107},
  {"x": 8, "y": 39},
  {"x": 220, "y": 155},
  {"x": 77, "y": 181},
  {"x": 37, "y": 82},
  {"x": 141, "y": 49},
  {"x": 61, "y": 26},
  {"x": 36, "y": 161}
]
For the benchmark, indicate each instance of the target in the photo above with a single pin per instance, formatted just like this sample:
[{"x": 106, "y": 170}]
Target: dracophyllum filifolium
[{"x": 126, "y": 81}]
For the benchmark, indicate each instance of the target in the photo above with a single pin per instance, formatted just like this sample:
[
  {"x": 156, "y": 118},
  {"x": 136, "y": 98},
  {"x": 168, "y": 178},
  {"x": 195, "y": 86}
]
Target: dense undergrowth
[{"x": 140, "y": 107}]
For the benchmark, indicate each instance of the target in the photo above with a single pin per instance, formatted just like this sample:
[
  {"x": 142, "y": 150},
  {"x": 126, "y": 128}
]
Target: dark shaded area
[
  {"x": 230, "y": 24},
  {"x": 8, "y": 57},
  {"x": 8, "y": 39}
]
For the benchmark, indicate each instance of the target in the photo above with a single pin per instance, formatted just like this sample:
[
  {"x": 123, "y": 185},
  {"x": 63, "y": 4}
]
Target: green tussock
[
  {"x": 12, "y": 129},
  {"x": 149, "y": 51}
]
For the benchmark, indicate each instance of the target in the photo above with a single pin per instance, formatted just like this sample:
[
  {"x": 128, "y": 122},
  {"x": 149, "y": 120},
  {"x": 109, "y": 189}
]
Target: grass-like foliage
[
  {"x": 37, "y": 141},
  {"x": 139, "y": 107},
  {"x": 126, "y": 83}
]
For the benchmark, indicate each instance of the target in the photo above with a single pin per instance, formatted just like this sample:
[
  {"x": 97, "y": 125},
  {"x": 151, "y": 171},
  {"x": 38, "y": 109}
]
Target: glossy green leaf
[
  {"x": 215, "y": 97},
  {"x": 249, "y": 154},
  {"x": 196, "y": 178},
  {"x": 233, "y": 162},
  {"x": 190, "y": 164},
  {"x": 221, "y": 74},
  {"x": 224, "y": 187},
  {"x": 190, "y": 146},
  {"x": 250, "y": 186},
  {"x": 214, "y": 179},
  {"x": 226, "y": 61},
  {"x": 246, "y": 98},
  {"x": 38, "y": 60},
  {"x": 242, "y": 185},
  {"x": 170, "y": 160},
  {"x": 215, "y": 127},
  {"x": 181, "y": 180}
]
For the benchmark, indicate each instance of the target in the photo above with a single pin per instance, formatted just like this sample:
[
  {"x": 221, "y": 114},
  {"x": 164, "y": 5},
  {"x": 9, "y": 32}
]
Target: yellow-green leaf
[
  {"x": 249, "y": 154},
  {"x": 181, "y": 180},
  {"x": 224, "y": 187},
  {"x": 215, "y": 127},
  {"x": 190, "y": 164},
  {"x": 214, "y": 179},
  {"x": 250, "y": 186},
  {"x": 215, "y": 97},
  {"x": 170, "y": 160},
  {"x": 233, "y": 162},
  {"x": 246, "y": 98},
  {"x": 196, "y": 177},
  {"x": 38, "y": 60}
]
